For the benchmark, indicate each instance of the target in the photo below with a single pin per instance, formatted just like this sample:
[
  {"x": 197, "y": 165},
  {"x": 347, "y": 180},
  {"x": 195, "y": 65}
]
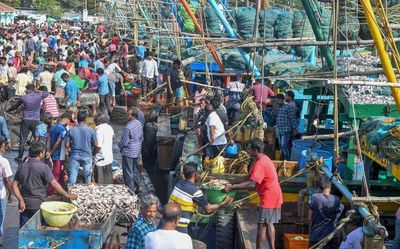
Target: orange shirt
[{"x": 263, "y": 173}]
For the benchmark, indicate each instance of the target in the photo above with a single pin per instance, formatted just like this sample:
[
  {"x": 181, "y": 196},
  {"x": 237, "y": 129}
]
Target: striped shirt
[
  {"x": 131, "y": 139},
  {"x": 189, "y": 197},
  {"x": 49, "y": 104}
]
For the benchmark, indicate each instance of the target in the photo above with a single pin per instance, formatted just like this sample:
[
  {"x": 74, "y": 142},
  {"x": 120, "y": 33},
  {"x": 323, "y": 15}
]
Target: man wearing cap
[{"x": 30, "y": 116}]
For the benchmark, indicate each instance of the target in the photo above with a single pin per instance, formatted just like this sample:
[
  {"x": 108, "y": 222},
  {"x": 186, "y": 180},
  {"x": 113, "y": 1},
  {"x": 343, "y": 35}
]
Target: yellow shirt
[{"x": 22, "y": 80}]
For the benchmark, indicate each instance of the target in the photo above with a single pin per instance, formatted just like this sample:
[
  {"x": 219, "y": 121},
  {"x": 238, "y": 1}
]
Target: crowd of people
[{"x": 41, "y": 65}]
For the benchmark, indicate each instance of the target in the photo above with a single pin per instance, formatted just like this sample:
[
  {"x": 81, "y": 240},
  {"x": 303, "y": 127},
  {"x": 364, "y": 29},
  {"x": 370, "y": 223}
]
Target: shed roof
[{"x": 6, "y": 8}]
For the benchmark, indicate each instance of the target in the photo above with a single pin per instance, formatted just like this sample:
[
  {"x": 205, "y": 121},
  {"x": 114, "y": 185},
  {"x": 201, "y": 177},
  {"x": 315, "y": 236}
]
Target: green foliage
[
  {"x": 12, "y": 3},
  {"x": 49, "y": 7}
]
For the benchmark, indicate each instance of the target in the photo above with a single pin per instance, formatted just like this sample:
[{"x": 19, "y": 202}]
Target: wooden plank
[{"x": 247, "y": 222}]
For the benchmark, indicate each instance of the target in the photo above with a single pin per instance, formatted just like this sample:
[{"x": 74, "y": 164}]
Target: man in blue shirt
[
  {"x": 79, "y": 144},
  {"x": 144, "y": 223},
  {"x": 104, "y": 91},
  {"x": 98, "y": 64},
  {"x": 140, "y": 50},
  {"x": 286, "y": 125},
  {"x": 72, "y": 92},
  {"x": 131, "y": 146},
  {"x": 58, "y": 135}
]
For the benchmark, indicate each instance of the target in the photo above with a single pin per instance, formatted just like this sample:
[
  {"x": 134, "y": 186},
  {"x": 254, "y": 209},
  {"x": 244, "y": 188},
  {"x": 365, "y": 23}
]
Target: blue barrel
[
  {"x": 326, "y": 155},
  {"x": 231, "y": 150},
  {"x": 299, "y": 145},
  {"x": 329, "y": 145}
]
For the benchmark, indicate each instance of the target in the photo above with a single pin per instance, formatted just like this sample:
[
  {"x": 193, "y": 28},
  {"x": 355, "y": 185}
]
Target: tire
[
  {"x": 178, "y": 146},
  {"x": 225, "y": 235}
]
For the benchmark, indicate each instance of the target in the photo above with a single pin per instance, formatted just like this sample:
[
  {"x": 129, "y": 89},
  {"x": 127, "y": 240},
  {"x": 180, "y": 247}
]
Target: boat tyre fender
[{"x": 225, "y": 234}]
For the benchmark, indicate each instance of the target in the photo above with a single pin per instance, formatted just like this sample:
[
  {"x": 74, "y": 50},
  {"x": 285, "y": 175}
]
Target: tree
[{"x": 49, "y": 7}]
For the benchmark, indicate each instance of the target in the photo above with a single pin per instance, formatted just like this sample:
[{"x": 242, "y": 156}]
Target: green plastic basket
[
  {"x": 215, "y": 195},
  {"x": 80, "y": 82}
]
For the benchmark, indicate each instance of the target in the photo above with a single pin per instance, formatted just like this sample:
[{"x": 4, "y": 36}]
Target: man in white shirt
[
  {"x": 215, "y": 133},
  {"x": 234, "y": 90},
  {"x": 167, "y": 237},
  {"x": 5, "y": 182},
  {"x": 112, "y": 68},
  {"x": 44, "y": 48},
  {"x": 148, "y": 73},
  {"x": 3, "y": 72},
  {"x": 104, "y": 156},
  {"x": 45, "y": 78}
]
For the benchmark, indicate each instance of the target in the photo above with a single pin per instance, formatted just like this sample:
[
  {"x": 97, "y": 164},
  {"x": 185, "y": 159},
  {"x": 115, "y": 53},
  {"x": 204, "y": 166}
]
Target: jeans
[
  {"x": 397, "y": 234},
  {"x": 103, "y": 174},
  {"x": 58, "y": 174},
  {"x": 130, "y": 172},
  {"x": 26, "y": 215},
  {"x": 3, "y": 206},
  {"x": 105, "y": 104},
  {"x": 74, "y": 162},
  {"x": 26, "y": 127},
  {"x": 284, "y": 140}
]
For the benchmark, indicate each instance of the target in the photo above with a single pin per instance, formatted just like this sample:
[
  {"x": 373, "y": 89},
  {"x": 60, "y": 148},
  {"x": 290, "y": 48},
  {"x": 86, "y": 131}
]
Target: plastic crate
[{"x": 294, "y": 241}]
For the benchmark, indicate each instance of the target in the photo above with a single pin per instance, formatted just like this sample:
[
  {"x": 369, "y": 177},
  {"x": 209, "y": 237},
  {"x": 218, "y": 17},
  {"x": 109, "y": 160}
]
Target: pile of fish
[
  {"x": 216, "y": 184},
  {"x": 365, "y": 94},
  {"x": 96, "y": 202}
]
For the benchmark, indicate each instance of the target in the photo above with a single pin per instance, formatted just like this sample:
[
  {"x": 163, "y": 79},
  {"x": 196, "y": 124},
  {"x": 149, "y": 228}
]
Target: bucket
[
  {"x": 326, "y": 155},
  {"x": 215, "y": 195},
  {"x": 231, "y": 150},
  {"x": 299, "y": 145}
]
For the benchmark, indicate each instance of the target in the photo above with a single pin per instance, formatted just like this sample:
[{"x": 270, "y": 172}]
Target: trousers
[
  {"x": 284, "y": 139},
  {"x": 74, "y": 162},
  {"x": 130, "y": 172},
  {"x": 27, "y": 126},
  {"x": 105, "y": 104},
  {"x": 103, "y": 174}
]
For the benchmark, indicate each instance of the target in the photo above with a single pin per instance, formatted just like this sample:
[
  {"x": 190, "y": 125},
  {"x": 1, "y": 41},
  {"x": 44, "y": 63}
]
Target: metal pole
[
  {"x": 380, "y": 47},
  {"x": 232, "y": 34},
  {"x": 326, "y": 52}
]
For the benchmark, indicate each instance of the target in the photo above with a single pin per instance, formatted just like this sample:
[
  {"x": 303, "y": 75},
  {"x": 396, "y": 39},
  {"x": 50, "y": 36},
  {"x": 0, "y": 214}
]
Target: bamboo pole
[
  {"x": 203, "y": 85},
  {"x": 376, "y": 199},
  {"x": 327, "y": 136}
]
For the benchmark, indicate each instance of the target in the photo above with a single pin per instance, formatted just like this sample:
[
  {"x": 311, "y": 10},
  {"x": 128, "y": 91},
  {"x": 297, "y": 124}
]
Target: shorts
[
  {"x": 269, "y": 215},
  {"x": 213, "y": 150},
  {"x": 179, "y": 92},
  {"x": 111, "y": 86}
]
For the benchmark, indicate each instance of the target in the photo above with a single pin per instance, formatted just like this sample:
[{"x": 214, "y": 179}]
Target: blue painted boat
[{"x": 35, "y": 234}]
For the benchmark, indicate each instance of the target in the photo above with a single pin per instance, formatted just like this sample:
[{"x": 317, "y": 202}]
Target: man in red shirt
[{"x": 263, "y": 175}]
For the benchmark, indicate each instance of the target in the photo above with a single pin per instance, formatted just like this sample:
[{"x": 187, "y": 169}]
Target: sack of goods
[
  {"x": 245, "y": 18},
  {"x": 302, "y": 29},
  {"x": 283, "y": 29},
  {"x": 267, "y": 22},
  {"x": 213, "y": 23}
]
